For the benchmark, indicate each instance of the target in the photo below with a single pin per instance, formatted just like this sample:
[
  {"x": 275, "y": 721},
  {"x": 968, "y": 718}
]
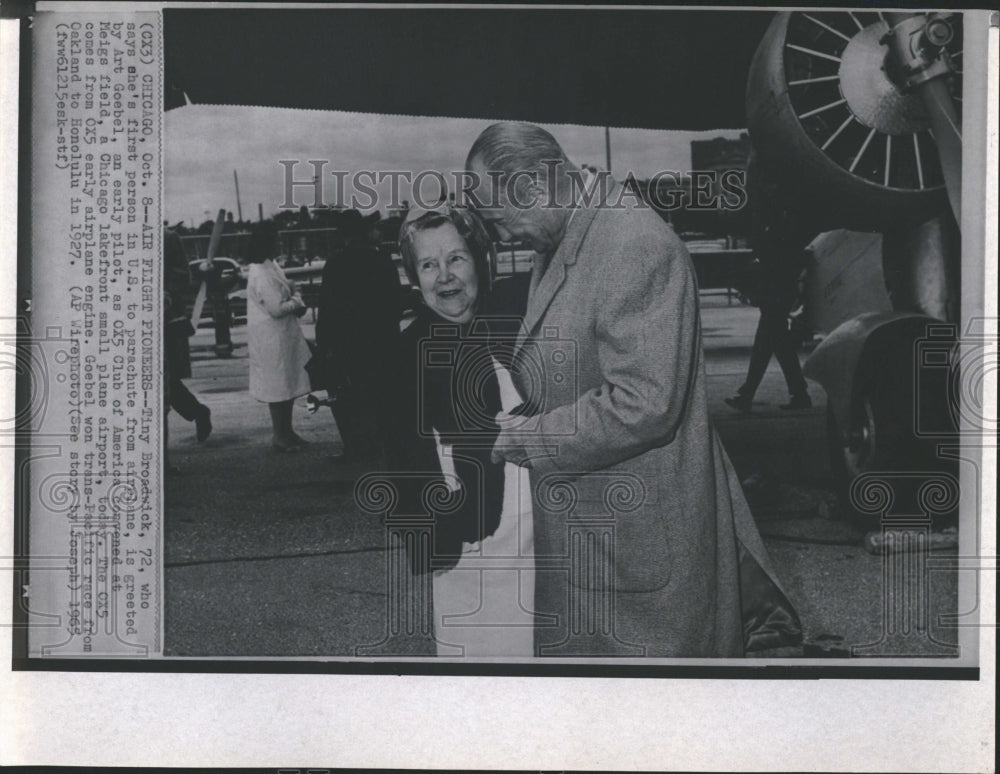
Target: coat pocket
[{"x": 614, "y": 535}]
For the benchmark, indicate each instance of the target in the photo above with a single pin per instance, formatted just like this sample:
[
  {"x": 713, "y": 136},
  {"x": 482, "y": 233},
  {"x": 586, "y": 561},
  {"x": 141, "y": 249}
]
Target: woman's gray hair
[{"x": 469, "y": 227}]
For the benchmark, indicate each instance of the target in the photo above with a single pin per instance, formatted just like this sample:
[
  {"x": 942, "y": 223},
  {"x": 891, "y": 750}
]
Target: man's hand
[{"x": 502, "y": 453}]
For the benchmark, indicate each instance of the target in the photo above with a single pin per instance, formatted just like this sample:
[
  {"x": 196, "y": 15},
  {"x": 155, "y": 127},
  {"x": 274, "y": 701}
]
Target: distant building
[
  {"x": 720, "y": 153},
  {"x": 675, "y": 196}
]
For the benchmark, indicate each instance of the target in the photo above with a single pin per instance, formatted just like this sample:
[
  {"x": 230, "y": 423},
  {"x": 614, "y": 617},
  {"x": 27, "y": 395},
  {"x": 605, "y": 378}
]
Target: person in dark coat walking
[
  {"x": 357, "y": 331},
  {"x": 775, "y": 297},
  {"x": 177, "y": 329},
  {"x": 774, "y": 288}
]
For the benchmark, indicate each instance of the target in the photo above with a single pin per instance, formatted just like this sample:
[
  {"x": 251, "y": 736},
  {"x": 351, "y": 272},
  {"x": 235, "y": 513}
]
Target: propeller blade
[
  {"x": 213, "y": 243},
  {"x": 213, "y": 246},
  {"x": 948, "y": 135},
  {"x": 199, "y": 304}
]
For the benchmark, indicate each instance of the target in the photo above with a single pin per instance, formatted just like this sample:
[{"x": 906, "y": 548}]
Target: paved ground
[{"x": 266, "y": 554}]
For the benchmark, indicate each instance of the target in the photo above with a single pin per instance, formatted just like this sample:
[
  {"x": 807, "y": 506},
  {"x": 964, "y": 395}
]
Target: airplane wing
[{"x": 638, "y": 68}]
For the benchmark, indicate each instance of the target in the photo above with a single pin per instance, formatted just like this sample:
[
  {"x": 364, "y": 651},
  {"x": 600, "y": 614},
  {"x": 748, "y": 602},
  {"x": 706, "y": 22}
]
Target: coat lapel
[{"x": 545, "y": 284}]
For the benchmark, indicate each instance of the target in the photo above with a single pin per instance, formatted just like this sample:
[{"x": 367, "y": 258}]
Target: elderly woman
[
  {"x": 453, "y": 383},
  {"x": 278, "y": 350}
]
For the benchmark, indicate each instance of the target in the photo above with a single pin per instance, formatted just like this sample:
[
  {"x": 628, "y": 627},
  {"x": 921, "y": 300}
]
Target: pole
[
  {"x": 607, "y": 146},
  {"x": 239, "y": 207},
  {"x": 260, "y": 211}
]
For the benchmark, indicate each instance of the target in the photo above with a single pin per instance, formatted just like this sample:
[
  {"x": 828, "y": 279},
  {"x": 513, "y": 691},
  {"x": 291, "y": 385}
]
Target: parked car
[
  {"x": 230, "y": 272},
  {"x": 233, "y": 277}
]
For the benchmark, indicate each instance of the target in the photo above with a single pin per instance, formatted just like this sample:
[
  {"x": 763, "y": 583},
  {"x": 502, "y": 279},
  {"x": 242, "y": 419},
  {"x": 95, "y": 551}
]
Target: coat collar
[{"x": 546, "y": 281}]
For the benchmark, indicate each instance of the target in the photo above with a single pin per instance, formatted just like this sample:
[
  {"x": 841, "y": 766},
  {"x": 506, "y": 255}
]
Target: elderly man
[{"x": 644, "y": 543}]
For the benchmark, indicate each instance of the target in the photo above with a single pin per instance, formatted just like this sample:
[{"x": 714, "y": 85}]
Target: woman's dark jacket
[{"x": 445, "y": 383}]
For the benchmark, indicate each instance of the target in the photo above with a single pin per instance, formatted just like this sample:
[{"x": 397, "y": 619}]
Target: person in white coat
[{"x": 278, "y": 349}]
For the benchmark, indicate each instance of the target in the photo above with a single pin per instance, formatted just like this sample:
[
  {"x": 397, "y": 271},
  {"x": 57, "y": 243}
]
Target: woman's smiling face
[{"x": 446, "y": 272}]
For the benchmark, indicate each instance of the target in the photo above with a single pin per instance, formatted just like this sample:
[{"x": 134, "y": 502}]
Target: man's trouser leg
[
  {"x": 183, "y": 402},
  {"x": 760, "y": 356}
]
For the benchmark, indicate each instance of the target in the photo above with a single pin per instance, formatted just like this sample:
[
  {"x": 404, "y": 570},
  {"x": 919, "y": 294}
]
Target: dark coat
[
  {"x": 445, "y": 384},
  {"x": 176, "y": 295},
  {"x": 358, "y": 318}
]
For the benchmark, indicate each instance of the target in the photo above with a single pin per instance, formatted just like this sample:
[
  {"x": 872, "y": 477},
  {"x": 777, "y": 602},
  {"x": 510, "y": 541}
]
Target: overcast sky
[{"x": 205, "y": 143}]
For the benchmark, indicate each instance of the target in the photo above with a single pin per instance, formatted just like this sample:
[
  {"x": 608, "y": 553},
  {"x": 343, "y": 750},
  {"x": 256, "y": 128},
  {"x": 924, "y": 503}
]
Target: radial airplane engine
[{"x": 855, "y": 123}]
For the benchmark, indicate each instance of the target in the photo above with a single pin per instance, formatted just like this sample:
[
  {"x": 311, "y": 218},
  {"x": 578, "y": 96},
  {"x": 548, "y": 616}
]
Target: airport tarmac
[{"x": 267, "y": 555}]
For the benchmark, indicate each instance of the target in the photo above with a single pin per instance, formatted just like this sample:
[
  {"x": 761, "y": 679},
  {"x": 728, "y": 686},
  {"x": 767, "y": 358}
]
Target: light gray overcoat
[{"x": 639, "y": 515}]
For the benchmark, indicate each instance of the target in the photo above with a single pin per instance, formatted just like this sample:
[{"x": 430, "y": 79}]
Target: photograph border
[{"x": 572, "y": 742}]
